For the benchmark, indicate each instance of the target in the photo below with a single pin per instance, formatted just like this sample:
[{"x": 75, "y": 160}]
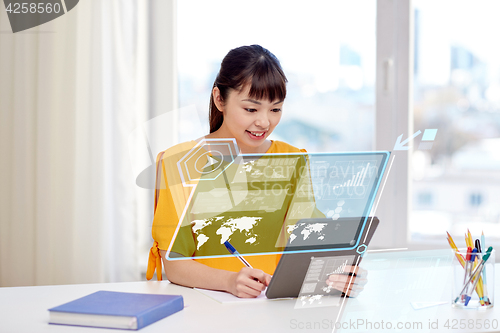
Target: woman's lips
[{"x": 257, "y": 135}]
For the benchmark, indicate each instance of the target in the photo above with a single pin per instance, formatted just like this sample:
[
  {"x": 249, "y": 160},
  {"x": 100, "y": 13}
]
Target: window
[
  {"x": 476, "y": 199},
  {"x": 420, "y": 67},
  {"x": 456, "y": 90},
  {"x": 424, "y": 199},
  {"x": 336, "y": 83}
]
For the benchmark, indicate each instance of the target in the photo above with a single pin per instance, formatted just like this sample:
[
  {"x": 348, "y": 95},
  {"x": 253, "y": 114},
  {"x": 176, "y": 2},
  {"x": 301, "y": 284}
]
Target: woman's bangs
[{"x": 270, "y": 85}]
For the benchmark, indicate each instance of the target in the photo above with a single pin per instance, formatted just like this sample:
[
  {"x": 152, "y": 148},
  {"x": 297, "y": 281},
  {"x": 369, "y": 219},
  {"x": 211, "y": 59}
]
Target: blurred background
[{"x": 88, "y": 100}]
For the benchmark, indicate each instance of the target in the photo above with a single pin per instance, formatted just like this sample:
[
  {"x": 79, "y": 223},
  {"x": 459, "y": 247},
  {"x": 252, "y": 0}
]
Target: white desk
[
  {"x": 398, "y": 279},
  {"x": 24, "y": 309}
]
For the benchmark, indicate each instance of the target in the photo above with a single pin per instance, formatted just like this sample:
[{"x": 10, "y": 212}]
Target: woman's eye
[
  {"x": 276, "y": 110},
  {"x": 250, "y": 110}
]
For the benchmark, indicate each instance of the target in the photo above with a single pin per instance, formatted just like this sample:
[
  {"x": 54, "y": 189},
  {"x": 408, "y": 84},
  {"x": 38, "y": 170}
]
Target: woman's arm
[{"x": 248, "y": 282}]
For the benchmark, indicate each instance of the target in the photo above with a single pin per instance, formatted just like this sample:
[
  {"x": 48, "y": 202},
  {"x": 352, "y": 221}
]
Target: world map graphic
[{"x": 228, "y": 227}]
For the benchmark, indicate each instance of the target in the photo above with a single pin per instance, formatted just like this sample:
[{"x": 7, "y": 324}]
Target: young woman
[{"x": 245, "y": 105}]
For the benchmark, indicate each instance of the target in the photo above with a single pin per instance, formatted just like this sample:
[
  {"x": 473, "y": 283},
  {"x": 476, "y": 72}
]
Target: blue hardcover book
[{"x": 112, "y": 309}]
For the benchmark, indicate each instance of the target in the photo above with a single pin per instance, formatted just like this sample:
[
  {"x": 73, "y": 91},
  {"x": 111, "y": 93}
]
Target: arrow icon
[
  {"x": 401, "y": 145},
  {"x": 211, "y": 161}
]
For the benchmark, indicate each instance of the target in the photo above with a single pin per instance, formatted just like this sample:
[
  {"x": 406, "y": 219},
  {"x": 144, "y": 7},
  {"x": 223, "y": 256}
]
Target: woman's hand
[
  {"x": 341, "y": 281},
  {"x": 248, "y": 282}
]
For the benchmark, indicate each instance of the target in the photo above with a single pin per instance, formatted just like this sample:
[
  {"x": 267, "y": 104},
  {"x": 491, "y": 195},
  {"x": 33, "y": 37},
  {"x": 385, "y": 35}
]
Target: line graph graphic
[
  {"x": 302, "y": 210},
  {"x": 349, "y": 180},
  {"x": 336, "y": 266},
  {"x": 315, "y": 292},
  {"x": 356, "y": 180}
]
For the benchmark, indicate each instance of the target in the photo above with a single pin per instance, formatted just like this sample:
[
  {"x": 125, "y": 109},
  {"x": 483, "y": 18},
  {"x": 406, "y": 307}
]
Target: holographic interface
[
  {"x": 261, "y": 203},
  {"x": 315, "y": 292}
]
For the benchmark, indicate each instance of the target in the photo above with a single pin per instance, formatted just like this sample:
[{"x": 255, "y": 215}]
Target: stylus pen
[{"x": 233, "y": 251}]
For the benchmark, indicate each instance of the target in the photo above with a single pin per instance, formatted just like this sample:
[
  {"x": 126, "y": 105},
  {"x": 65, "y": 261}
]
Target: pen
[
  {"x": 478, "y": 245},
  {"x": 480, "y": 285},
  {"x": 233, "y": 251},
  {"x": 467, "y": 263},
  {"x": 475, "y": 259},
  {"x": 485, "y": 287},
  {"x": 483, "y": 244},
  {"x": 477, "y": 269}
]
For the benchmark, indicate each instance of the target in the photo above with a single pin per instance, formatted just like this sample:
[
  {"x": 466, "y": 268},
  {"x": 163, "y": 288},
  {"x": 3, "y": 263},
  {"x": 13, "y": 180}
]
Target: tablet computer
[{"x": 316, "y": 238}]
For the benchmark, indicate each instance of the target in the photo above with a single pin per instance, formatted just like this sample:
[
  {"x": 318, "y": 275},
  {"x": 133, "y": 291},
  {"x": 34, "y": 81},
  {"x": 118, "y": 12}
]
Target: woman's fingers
[
  {"x": 345, "y": 286},
  {"x": 250, "y": 282},
  {"x": 358, "y": 271},
  {"x": 351, "y": 282},
  {"x": 346, "y": 279},
  {"x": 258, "y": 275}
]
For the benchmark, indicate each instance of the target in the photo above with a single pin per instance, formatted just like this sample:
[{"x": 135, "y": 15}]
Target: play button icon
[
  {"x": 211, "y": 164},
  {"x": 207, "y": 160}
]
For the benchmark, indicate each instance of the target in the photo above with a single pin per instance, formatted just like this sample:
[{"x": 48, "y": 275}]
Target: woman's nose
[{"x": 262, "y": 120}]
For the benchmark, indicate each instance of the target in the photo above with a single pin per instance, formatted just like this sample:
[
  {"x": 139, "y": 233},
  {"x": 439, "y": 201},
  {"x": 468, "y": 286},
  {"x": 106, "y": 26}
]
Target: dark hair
[{"x": 252, "y": 65}]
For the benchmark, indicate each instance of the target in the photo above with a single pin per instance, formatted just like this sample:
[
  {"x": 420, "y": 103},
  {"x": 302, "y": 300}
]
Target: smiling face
[{"x": 248, "y": 120}]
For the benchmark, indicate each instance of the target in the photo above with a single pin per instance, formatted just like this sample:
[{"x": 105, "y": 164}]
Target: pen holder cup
[{"x": 464, "y": 295}]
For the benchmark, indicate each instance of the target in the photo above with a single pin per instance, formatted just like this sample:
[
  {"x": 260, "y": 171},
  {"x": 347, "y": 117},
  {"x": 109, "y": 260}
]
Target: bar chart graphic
[
  {"x": 356, "y": 180},
  {"x": 315, "y": 292},
  {"x": 351, "y": 180}
]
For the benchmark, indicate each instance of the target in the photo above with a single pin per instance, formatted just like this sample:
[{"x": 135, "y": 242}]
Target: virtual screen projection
[
  {"x": 264, "y": 203},
  {"x": 315, "y": 292}
]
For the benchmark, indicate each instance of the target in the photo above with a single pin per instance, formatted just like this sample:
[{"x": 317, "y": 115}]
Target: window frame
[{"x": 394, "y": 116}]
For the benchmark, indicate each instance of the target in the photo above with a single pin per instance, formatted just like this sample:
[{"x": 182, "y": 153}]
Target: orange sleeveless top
[{"x": 171, "y": 197}]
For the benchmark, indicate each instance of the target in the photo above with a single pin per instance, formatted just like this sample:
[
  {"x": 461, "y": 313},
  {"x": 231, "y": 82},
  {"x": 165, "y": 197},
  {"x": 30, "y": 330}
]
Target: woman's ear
[{"x": 217, "y": 99}]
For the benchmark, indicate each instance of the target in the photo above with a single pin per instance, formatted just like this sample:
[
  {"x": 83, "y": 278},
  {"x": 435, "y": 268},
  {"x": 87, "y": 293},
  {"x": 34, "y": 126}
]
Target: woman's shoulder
[
  {"x": 177, "y": 150},
  {"x": 283, "y": 147}
]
